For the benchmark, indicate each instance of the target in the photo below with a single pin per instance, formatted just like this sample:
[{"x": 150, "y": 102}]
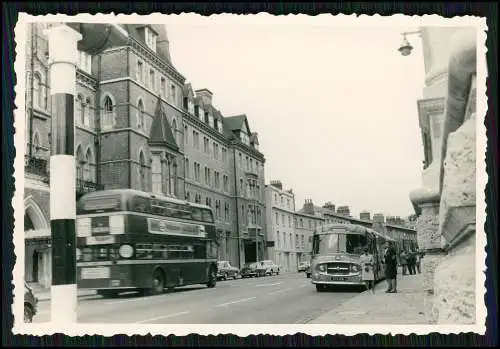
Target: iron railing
[
  {"x": 37, "y": 166},
  {"x": 84, "y": 187}
]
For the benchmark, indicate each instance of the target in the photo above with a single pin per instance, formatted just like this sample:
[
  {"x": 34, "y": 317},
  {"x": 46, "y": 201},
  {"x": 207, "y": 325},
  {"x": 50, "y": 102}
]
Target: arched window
[
  {"x": 140, "y": 114},
  {"x": 37, "y": 91},
  {"x": 108, "y": 114},
  {"x": 87, "y": 113},
  {"x": 88, "y": 167},
  {"x": 156, "y": 174},
  {"x": 174, "y": 130},
  {"x": 36, "y": 145},
  {"x": 79, "y": 163},
  {"x": 79, "y": 109},
  {"x": 142, "y": 171}
]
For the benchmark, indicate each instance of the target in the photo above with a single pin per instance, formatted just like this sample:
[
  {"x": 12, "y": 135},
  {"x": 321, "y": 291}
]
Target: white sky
[{"x": 335, "y": 107}]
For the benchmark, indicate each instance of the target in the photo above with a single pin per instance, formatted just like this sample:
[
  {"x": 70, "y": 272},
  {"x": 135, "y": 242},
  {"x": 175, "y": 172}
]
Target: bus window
[
  {"x": 87, "y": 254},
  {"x": 196, "y": 214},
  {"x": 179, "y": 211},
  {"x": 199, "y": 250},
  {"x": 99, "y": 204},
  {"x": 139, "y": 204},
  {"x": 207, "y": 216}
]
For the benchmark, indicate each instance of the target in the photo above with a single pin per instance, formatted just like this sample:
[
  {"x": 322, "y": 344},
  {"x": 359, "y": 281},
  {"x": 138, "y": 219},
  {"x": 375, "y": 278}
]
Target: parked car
[
  {"x": 30, "y": 303},
  {"x": 249, "y": 270},
  {"x": 268, "y": 267},
  {"x": 302, "y": 266},
  {"x": 225, "y": 270}
]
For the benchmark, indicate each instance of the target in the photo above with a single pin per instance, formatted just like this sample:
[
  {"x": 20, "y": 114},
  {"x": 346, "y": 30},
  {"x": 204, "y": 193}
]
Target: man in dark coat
[{"x": 391, "y": 267}]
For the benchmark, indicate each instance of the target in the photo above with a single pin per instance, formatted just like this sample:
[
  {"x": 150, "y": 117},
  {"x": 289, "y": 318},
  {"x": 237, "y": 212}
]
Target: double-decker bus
[
  {"x": 133, "y": 240},
  {"x": 336, "y": 254}
]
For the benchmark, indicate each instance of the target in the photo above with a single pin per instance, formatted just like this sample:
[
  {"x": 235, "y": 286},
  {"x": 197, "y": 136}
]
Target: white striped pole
[{"x": 63, "y": 54}]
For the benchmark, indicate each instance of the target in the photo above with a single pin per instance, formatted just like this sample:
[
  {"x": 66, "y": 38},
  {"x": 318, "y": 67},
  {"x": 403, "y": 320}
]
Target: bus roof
[
  {"x": 133, "y": 192},
  {"x": 350, "y": 228}
]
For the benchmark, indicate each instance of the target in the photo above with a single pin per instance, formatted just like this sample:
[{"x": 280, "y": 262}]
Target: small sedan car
[
  {"x": 30, "y": 303},
  {"x": 302, "y": 266},
  {"x": 267, "y": 267},
  {"x": 249, "y": 270},
  {"x": 225, "y": 271}
]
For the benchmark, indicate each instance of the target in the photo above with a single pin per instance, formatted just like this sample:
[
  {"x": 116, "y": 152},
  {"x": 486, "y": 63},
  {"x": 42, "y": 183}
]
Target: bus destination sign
[{"x": 164, "y": 227}]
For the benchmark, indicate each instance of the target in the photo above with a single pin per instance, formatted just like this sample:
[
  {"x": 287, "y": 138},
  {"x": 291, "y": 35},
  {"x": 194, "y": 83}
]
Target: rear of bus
[
  {"x": 102, "y": 241},
  {"x": 336, "y": 255}
]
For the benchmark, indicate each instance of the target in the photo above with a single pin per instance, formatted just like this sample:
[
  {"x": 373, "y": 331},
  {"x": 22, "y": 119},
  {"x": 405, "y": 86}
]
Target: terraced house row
[{"x": 141, "y": 125}]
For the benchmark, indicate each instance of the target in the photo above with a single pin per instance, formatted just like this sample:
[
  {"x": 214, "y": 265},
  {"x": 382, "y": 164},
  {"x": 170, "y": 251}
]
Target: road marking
[
  {"x": 163, "y": 317},
  {"x": 276, "y": 283},
  {"x": 279, "y": 291},
  {"x": 238, "y": 301},
  {"x": 304, "y": 285}
]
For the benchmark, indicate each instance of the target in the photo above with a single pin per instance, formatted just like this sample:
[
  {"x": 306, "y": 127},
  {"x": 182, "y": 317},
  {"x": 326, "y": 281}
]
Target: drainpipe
[
  {"x": 97, "y": 123},
  {"x": 236, "y": 200},
  {"x": 129, "y": 123}
]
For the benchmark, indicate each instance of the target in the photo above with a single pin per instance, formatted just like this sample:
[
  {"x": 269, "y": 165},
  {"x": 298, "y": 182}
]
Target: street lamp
[{"x": 405, "y": 48}]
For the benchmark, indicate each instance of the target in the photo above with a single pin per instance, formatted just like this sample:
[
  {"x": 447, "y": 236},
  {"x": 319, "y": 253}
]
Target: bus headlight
[
  {"x": 126, "y": 251},
  {"x": 78, "y": 254},
  {"x": 321, "y": 268},
  {"x": 355, "y": 268}
]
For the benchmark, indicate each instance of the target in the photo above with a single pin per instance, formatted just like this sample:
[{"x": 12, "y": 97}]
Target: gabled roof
[
  {"x": 237, "y": 122},
  {"x": 187, "y": 91},
  {"x": 161, "y": 133}
]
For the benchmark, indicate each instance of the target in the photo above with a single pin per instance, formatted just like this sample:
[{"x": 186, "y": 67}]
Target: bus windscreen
[{"x": 339, "y": 243}]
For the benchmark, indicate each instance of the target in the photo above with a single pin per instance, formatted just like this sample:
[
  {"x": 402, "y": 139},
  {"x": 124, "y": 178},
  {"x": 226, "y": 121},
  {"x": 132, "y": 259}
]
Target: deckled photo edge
[{"x": 18, "y": 272}]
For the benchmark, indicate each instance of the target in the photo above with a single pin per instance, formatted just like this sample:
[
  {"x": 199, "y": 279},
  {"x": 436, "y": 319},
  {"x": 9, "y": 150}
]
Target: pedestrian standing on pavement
[
  {"x": 404, "y": 261},
  {"x": 391, "y": 267},
  {"x": 412, "y": 261},
  {"x": 367, "y": 275},
  {"x": 419, "y": 260}
]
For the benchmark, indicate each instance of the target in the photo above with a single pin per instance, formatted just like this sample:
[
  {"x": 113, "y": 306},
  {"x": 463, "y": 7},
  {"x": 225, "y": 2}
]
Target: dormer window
[
  {"x": 206, "y": 117},
  {"x": 196, "y": 110},
  {"x": 150, "y": 38},
  {"x": 216, "y": 124},
  {"x": 190, "y": 107}
]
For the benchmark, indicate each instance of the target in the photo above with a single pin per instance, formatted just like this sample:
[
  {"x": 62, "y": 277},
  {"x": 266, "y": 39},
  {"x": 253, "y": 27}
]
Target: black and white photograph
[{"x": 249, "y": 174}]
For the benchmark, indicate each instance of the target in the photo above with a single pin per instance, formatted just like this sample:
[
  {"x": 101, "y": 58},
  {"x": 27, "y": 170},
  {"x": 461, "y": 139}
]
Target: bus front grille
[{"x": 337, "y": 268}]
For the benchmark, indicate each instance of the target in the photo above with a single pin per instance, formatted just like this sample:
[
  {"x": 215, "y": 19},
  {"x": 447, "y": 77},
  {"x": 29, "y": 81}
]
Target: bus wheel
[
  {"x": 320, "y": 288},
  {"x": 158, "y": 282},
  {"x": 212, "y": 278}
]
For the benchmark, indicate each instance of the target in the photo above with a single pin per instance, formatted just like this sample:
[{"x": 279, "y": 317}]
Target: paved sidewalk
[
  {"x": 404, "y": 307},
  {"x": 44, "y": 294}
]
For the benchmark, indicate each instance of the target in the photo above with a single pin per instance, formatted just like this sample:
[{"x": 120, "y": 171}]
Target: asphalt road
[{"x": 282, "y": 299}]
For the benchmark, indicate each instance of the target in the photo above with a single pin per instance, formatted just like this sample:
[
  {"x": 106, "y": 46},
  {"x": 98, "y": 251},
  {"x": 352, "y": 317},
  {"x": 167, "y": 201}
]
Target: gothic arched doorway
[{"x": 38, "y": 256}]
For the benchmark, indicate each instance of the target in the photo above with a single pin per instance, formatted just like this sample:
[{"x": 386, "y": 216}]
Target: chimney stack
[
  {"x": 329, "y": 206},
  {"x": 365, "y": 216},
  {"x": 309, "y": 207},
  {"x": 344, "y": 211},
  {"x": 277, "y": 184},
  {"x": 378, "y": 218},
  {"x": 206, "y": 95}
]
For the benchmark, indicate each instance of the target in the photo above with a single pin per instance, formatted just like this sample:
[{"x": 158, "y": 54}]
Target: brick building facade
[{"x": 139, "y": 125}]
